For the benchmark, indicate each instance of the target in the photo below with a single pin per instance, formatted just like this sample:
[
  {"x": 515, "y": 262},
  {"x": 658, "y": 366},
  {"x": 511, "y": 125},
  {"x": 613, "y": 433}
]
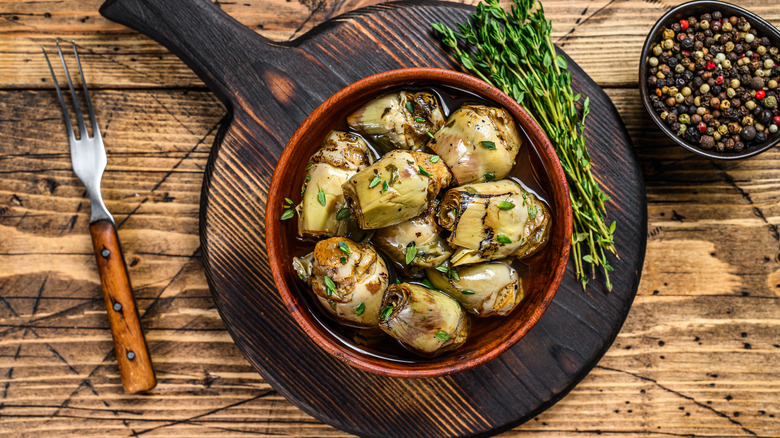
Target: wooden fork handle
[{"x": 135, "y": 366}]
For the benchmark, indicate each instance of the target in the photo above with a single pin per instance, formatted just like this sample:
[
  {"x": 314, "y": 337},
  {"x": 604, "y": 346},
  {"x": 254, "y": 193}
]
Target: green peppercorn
[
  {"x": 682, "y": 129},
  {"x": 716, "y": 136},
  {"x": 672, "y": 91},
  {"x": 668, "y": 34},
  {"x": 686, "y": 91},
  {"x": 725, "y": 64},
  {"x": 667, "y": 44},
  {"x": 704, "y": 89},
  {"x": 760, "y": 73},
  {"x": 679, "y": 98},
  {"x": 734, "y": 83},
  {"x": 773, "y": 51},
  {"x": 657, "y": 50},
  {"x": 750, "y": 105},
  {"x": 749, "y": 38},
  {"x": 723, "y": 129},
  {"x": 700, "y": 110},
  {"x": 664, "y": 115},
  {"x": 684, "y": 118},
  {"x": 660, "y": 75},
  {"x": 770, "y": 102},
  {"x": 653, "y": 61},
  {"x": 761, "y": 50},
  {"x": 747, "y": 120},
  {"x": 730, "y": 92},
  {"x": 768, "y": 63},
  {"x": 726, "y": 27},
  {"x": 704, "y": 24},
  {"x": 698, "y": 55},
  {"x": 759, "y": 127},
  {"x": 772, "y": 84}
]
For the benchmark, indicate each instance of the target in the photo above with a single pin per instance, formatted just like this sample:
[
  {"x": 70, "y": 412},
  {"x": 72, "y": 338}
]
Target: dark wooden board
[{"x": 269, "y": 89}]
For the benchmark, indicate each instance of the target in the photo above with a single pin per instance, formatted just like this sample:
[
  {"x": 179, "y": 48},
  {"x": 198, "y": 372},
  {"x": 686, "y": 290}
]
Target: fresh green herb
[
  {"x": 308, "y": 177},
  {"x": 386, "y": 312},
  {"x": 514, "y": 51},
  {"x": 422, "y": 171},
  {"x": 532, "y": 212},
  {"x": 467, "y": 292},
  {"x": 429, "y": 134},
  {"x": 427, "y": 283},
  {"x": 471, "y": 190},
  {"x": 360, "y": 309},
  {"x": 488, "y": 145},
  {"x": 410, "y": 107},
  {"x": 343, "y": 260},
  {"x": 288, "y": 200},
  {"x": 300, "y": 275},
  {"x": 289, "y": 213},
  {"x": 419, "y": 119},
  {"x": 503, "y": 238},
  {"x": 525, "y": 198},
  {"x": 490, "y": 176},
  {"x": 321, "y": 196},
  {"x": 411, "y": 253},
  {"x": 343, "y": 213},
  {"x": 385, "y": 186},
  {"x": 374, "y": 182},
  {"x": 506, "y": 205},
  {"x": 309, "y": 166},
  {"x": 435, "y": 159},
  {"x": 442, "y": 335},
  {"x": 451, "y": 273},
  {"x": 330, "y": 286},
  {"x": 344, "y": 247}
]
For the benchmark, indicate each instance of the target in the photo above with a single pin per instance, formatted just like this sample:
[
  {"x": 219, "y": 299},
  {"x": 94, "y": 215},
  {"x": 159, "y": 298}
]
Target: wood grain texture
[
  {"x": 130, "y": 350},
  {"x": 697, "y": 355}
]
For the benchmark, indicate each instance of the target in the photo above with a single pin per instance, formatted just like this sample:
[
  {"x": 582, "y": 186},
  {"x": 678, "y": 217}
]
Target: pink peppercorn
[
  {"x": 777, "y": 120},
  {"x": 760, "y": 94},
  {"x": 710, "y": 66},
  {"x": 684, "y": 25},
  {"x": 719, "y": 80},
  {"x": 702, "y": 127}
]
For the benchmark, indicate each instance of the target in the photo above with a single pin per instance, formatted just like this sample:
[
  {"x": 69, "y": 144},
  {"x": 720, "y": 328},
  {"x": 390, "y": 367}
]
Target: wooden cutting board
[{"x": 269, "y": 88}]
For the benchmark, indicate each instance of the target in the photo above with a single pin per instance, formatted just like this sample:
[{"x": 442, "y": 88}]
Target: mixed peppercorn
[{"x": 714, "y": 82}]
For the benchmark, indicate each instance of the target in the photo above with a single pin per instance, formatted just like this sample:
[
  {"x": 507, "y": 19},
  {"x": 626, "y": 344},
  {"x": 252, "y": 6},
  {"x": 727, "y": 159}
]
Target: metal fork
[{"x": 88, "y": 156}]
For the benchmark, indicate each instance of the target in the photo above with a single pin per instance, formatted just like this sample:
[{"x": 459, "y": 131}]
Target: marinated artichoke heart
[
  {"x": 484, "y": 289},
  {"x": 417, "y": 240},
  {"x": 427, "y": 321},
  {"x": 342, "y": 155},
  {"x": 398, "y": 187},
  {"x": 491, "y": 221},
  {"x": 389, "y": 121},
  {"x": 347, "y": 278},
  {"x": 478, "y": 143}
]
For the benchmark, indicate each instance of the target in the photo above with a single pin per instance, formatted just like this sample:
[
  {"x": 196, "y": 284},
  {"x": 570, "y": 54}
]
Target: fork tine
[
  {"x": 76, "y": 105},
  {"x": 92, "y": 119},
  {"x": 65, "y": 114}
]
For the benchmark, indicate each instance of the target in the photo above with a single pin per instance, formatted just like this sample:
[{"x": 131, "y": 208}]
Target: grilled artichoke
[
  {"x": 347, "y": 278},
  {"x": 426, "y": 321},
  {"x": 478, "y": 143},
  {"x": 399, "y": 120},
  {"x": 484, "y": 289},
  {"x": 414, "y": 244},
  {"x": 491, "y": 221},
  {"x": 398, "y": 187},
  {"x": 341, "y": 156}
]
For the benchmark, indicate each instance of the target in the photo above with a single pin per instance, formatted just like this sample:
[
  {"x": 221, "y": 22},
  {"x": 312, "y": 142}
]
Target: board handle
[
  {"x": 198, "y": 32},
  {"x": 135, "y": 365}
]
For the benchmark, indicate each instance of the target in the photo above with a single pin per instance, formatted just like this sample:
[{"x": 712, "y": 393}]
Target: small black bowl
[{"x": 695, "y": 9}]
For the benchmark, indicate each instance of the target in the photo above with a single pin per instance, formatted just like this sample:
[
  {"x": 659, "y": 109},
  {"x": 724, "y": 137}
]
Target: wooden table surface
[{"x": 699, "y": 354}]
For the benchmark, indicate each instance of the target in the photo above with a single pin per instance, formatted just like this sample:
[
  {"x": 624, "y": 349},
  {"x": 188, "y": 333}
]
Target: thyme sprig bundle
[{"x": 515, "y": 53}]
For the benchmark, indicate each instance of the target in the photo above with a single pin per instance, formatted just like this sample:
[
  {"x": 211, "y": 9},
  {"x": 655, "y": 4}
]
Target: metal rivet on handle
[
  {"x": 130, "y": 355},
  {"x": 117, "y": 307},
  {"x": 105, "y": 253}
]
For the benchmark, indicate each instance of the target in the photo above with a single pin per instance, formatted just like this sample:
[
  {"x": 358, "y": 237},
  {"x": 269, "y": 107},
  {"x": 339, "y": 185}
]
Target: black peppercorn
[
  {"x": 687, "y": 75},
  {"x": 697, "y": 81},
  {"x": 717, "y": 15},
  {"x": 748, "y": 133},
  {"x": 686, "y": 44},
  {"x": 738, "y": 146},
  {"x": 692, "y": 135},
  {"x": 760, "y": 137},
  {"x": 707, "y": 142},
  {"x": 676, "y": 27},
  {"x": 720, "y": 146},
  {"x": 716, "y": 89}
]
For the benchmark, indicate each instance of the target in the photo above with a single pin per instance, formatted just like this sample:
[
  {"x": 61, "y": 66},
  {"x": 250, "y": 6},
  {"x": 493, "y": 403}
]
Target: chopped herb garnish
[
  {"x": 343, "y": 260},
  {"x": 360, "y": 309},
  {"x": 287, "y": 214},
  {"x": 467, "y": 292},
  {"x": 422, "y": 171},
  {"x": 374, "y": 182},
  {"x": 300, "y": 275},
  {"x": 330, "y": 286},
  {"x": 503, "y": 238},
  {"x": 488, "y": 145},
  {"x": 471, "y": 190},
  {"x": 435, "y": 159},
  {"x": 385, "y": 186},
  {"x": 343, "y": 213},
  {"x": 490, "y": 176},
  {"x": 386, "y": 312},
  {"x": 309, "y": 166},
  {"x": 321, "y": 196},
  {"x": 344, "y": 247},
  {"x": 443, "y": 269},
  {"x": 411, "y": 253},
  {"x": 429, "y": 134},
  {"x": 442, "y": 335},
  {"x": 525, "y": 198},
  {"x": 427, "y": 283},
  {"x": 506, "y": 205},
  {"x": 532, "y": 212},
  {"x": 308, "y": 177},
  {"x": 451, "y": 273},
  {"x": 419, "y": 119},
  {"x": 410, "y": 107},
  {"x": 288, "y": 200},
  {"x": 397, "y": 281}
]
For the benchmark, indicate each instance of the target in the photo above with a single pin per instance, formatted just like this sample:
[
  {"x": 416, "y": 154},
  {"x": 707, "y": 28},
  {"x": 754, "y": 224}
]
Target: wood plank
[
  {"x": 119, "y": 57},
  {"x": 697, "y": 354}
]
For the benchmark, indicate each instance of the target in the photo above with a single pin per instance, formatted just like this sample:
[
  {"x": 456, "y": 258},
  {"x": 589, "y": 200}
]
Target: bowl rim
[
  {"x": 393, "y": 78},
  {"x": 748, "y": 152}
]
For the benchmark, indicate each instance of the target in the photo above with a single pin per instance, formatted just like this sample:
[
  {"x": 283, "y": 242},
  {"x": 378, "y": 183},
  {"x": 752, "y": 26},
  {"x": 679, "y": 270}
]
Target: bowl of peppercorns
[{"x": 709, "y": 78}]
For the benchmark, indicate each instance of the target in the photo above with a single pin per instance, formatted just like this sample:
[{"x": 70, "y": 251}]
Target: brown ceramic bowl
[
  {"x": 695, "y": 9},
  {"x": 491, "y": 336}
]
